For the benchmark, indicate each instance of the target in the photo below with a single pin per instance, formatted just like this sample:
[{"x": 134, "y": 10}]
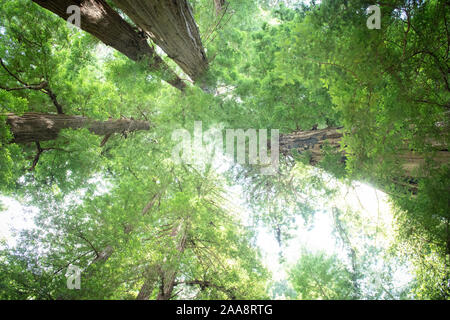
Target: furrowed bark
[
  {"x": 151, "y": 278},
  {"x": 171, "y": 25},
  {"x": 38, "y": 127},
  {"x": 146, "y": 290},
  {"x": 104, "y": 23},
  {"x": 169, "y": 275},
  {"x": 313, "y": 141}
]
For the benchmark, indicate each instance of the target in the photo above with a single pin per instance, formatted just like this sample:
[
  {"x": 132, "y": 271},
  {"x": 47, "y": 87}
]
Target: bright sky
[{"x": 15, "y": 218}]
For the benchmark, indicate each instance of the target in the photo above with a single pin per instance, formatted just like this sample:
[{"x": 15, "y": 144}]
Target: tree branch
[{"x": 43, "y": 87}]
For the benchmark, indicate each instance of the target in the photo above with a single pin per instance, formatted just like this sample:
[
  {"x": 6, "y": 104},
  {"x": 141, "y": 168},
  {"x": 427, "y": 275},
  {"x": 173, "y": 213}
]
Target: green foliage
[
  {"x": 130, "y": 217},
  {"x": 320, "y": 277}
]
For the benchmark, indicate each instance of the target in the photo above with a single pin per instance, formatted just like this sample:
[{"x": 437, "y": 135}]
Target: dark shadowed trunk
[
  {"x": 38, "y": 127},
  {"x": 151, "y": 276},
  {"x": 100, "y": 20},
  {"x": 146, "y": 290},
  {"x": 171, "y": 25}
]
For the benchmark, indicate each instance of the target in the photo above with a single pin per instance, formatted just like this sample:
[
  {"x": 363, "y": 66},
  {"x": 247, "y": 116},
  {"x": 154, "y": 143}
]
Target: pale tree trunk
[
  {"x": 104, "y": 23},
  {"x": 38, "y": 127},
  {"x": 171, "y": 26},
  {"x": 103, "y": 255},
  {"x": 313, "y": 141}
]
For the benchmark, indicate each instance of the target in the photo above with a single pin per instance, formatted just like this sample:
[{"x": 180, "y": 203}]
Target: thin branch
[
  {"x": 40, "y": 151},
  {"x": 43, "y": 87},
  {"x": 36, "y": 158},
  {"x": 38, "y": 87},
  {"x": 10, "y": 73},
  {"x": 52, "y": 96},
  {"x": 105, "y": 139},
  {"x": 80, "y": 235}
]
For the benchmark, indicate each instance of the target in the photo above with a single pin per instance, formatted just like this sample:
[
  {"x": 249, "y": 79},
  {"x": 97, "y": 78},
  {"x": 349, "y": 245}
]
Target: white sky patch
[
  {"x": 14, "y": 219},
  {"x": 319, "y": 238}
]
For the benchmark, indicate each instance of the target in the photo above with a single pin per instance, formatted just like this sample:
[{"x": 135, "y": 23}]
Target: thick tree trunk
[
  {"x": 104, "y": 23},
  {"x": 314, "y": 141},
  {"x": 171, "y": 25},
  {"x": 38, "y": 127}
]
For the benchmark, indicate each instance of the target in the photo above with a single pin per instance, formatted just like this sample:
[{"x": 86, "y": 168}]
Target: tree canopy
[{"x": 87, "y": 122}]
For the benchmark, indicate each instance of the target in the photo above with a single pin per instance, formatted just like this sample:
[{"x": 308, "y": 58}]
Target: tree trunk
[
  {"x": 146, "y": 290},
  {"x": 314, "y": 141},
  {"x": 171, "y": 25},
  {"x": 37, "y": 127},
  {"x": 169, "y": 275},
  {"x": 151, "y": 278},
  {"x": 104, "y": 23},
  {"x": 219, "y": 5},
  {"x": 104, "y": 255}
]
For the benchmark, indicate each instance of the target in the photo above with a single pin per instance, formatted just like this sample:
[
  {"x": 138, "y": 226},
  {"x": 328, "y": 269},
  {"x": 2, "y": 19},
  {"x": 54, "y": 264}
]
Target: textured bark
[
  {"x": 151, "y": 279},
  {"x": 146, "y": 290},
  {"x": 104, "y": 23},
  {"x": 314, "y": 140},
  {"x": 171, "y": 25},
  {"x": 104, "y": 254},
  {"x": 411, "y": 161},
  {"x": 38, "y": 127}
]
